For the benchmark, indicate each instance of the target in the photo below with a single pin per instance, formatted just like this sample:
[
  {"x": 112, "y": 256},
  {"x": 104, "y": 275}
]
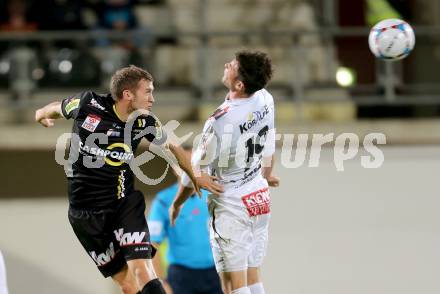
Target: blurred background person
[
  {"x": 15, "y": 16},
  {"x": 191, "y": 266},
  {"x": 116, "y": 14}
]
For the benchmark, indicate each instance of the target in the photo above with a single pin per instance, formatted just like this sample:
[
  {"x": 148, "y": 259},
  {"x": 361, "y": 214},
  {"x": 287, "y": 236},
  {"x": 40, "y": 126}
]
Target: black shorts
[
  {"x": 113, "y": 236},
  {"x": 185, "y": 280}
]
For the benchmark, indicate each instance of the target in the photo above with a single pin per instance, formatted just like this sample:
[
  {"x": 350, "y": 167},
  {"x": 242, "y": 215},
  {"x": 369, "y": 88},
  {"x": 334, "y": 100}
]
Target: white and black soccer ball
[{"x": 391, "y": 39}]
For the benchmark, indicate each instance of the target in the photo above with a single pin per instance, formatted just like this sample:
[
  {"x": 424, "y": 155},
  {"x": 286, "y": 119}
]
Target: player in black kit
[{"x": 105, "y": 211}]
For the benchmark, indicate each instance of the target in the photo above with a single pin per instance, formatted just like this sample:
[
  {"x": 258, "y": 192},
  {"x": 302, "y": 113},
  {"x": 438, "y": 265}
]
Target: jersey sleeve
[
  {"x": 158, "y": 220},
  {"x": 152, "y": 129},
  {"x": 205, "y": 153},
  {"x": 71, "y": 105}
]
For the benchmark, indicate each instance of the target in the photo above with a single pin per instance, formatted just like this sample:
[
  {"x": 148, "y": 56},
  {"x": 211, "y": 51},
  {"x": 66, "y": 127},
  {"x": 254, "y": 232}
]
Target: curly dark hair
[{"x": 254, "y": 70}]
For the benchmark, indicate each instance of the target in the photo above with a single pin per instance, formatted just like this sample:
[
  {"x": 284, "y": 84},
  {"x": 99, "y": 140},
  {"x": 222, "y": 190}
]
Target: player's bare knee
[
  {"x": 142, "y": 270},
  {"x": 253, "y": 275},
  {"x": 225, "y": 279},
  {"x": 127, "y": 287},
  {"x": 226, "y": 287},
  {"x": 238, "y": 279}
]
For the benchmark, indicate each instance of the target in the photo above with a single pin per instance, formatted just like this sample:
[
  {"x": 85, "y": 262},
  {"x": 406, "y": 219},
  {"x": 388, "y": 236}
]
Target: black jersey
[{"x": 100, "y": 173}]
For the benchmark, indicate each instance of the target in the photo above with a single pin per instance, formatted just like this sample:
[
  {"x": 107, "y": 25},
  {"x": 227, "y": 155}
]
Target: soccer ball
[{"x": 391, "y": 39}]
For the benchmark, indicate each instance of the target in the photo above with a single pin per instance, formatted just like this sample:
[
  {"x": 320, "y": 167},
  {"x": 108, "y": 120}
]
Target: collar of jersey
[
  {"x": 239, "y": 101},
  {"x": 117, "y": 115}
]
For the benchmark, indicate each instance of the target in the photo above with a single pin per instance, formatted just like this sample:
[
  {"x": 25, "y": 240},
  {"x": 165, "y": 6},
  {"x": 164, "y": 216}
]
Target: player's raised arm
[
  {"x": 160, "y": 143},
  {"x": 67, "y": 108},
  {"x": 47, "y": 114},
  {"x": 202, "y": 180}
]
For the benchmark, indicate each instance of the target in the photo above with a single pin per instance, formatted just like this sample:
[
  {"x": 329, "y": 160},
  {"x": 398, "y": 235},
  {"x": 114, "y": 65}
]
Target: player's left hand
[
  {"x": 207, "y": 182},
  {"x": 273, "y": 181}
]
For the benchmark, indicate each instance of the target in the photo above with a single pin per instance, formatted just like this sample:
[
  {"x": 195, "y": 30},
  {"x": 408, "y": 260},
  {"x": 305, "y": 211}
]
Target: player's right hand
[
  {"x": 273, "y": 181},
  {"x": 40, "y": 118},
  {"x": 207, "y": 182},
  {"x": 47, "y": 122},
  {"x": 174, "y": 213}
]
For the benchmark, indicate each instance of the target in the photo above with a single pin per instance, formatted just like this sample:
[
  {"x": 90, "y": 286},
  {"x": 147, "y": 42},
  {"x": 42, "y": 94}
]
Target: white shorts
[{"x": 238, "y": 240}]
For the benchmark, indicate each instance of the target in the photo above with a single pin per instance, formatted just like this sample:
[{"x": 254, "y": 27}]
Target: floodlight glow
[
  {"x": 65, "y": 66},
  {"x": 345, "y": 77},
  {"x": 4, "y": 67}
]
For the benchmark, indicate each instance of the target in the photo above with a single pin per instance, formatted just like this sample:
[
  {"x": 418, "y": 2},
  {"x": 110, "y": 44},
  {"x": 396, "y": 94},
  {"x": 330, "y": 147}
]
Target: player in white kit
[{"x": 237, "y": 147}]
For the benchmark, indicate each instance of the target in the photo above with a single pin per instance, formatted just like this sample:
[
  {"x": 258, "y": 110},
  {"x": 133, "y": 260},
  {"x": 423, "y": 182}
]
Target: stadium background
[{"x": 357, "y": 231}]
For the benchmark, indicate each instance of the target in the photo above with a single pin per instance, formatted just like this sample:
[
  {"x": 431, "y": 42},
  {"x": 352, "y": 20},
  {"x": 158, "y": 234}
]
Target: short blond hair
[{"x": 127, "y": 78}]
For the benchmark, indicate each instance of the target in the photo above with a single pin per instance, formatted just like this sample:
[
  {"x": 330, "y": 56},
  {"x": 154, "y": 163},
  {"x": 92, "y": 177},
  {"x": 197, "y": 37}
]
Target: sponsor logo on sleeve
[{"x": 73, "y": 104}]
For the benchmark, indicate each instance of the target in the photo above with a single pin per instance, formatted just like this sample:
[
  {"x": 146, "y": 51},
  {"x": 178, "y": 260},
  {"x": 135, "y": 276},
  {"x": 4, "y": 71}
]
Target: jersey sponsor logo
[
  {"x": 131, "y": 238},
  {"x": 95, "y": 104},
  {"x": 73, "y": 104},
  {"x": 254, "y": 118},
  {"x": 113, "y": 133},
  {"x": 115, "y": 154},
  {"x": 105, "y": 257},
  {"x": 141, "y": 249},
  {"x": 91, "y": 123},
  {"x": 258, "y": 202},
  {"x": 121, "y": 185},
  {"x": 116, "y": 158}
]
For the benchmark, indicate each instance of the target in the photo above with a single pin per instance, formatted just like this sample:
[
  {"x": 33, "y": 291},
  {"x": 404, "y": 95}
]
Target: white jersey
[{"x": 234, "y": 141}]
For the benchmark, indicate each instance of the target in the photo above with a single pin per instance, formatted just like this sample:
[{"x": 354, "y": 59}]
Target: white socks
[
  {"x": 257, "y": 288},
  {"x": 243, "y": 290},
  {"x": 252, "y": 289}
]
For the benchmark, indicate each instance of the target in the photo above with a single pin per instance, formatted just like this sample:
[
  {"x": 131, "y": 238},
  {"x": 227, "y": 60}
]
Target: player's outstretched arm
[
  {"x": 181, "y": 196},
  {"x": 268, "y": 163},
  {"x": 202, "y": 180},
  {"x": 47, "y": 114}
]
